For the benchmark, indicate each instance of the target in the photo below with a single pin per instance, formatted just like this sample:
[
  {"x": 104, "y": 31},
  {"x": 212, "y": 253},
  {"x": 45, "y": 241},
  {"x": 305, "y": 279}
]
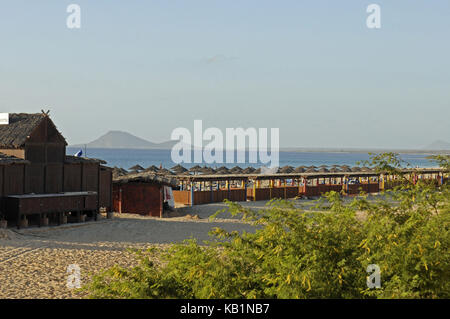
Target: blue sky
[{"x": 311, "y": 68}]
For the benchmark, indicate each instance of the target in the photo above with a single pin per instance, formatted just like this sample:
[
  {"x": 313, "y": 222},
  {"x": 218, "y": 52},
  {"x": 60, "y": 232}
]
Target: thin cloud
[{"x": 219, "y": 58}]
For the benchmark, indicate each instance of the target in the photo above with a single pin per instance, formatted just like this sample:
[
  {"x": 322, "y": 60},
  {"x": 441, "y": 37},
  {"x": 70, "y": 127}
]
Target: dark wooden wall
[{"x": 138, "y": 198}]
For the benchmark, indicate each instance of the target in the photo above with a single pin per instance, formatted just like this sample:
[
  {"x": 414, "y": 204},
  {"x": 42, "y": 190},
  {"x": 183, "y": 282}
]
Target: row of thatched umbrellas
[{"x": 196, "y": 170}]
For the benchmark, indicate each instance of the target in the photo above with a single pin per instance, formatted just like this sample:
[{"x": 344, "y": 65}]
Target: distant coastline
[{"x": 125, "y": 140}]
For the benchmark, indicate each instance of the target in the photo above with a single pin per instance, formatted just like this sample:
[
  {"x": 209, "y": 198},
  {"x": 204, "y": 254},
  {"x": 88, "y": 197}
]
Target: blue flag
[{"x": 79, "y": 153}]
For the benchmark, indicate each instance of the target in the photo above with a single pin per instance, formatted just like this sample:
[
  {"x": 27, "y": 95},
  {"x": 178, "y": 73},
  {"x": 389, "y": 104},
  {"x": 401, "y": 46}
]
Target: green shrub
[{"x": 304, "y": 254}]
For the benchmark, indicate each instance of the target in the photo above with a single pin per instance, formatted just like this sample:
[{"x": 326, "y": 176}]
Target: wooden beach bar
[
  {"x": 203, "y": 189},
  {"x": 39, "y": 181}
]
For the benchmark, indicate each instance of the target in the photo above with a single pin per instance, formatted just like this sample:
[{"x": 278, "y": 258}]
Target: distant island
[
  {"x": 120, "y": 139},
  {"x": 125, "y": 140}
]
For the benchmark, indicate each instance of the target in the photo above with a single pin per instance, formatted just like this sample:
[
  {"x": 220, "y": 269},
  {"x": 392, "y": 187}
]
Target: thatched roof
[
  {"x": 345, "y": 169},
  {"x": 136, "y": 167},
  {"x": 286, "y": 169},
  {"x": 19, "y": 129},
  {"x": 70, "y": 159},
  {"x": 311, "y": 170},
  {"x": 7, "y": 159},
  {"x": 164, "y": 171},
  {"x": 356, "y": 169},
  {"x": 195, "y": 168},
  {"x": 300, "y": 169},
  {"x": 323, "y": 170},
  {"x": 152, "y": 168},
  {"x": 248, "y": 170},
  {"x": 334, "y": 170},
  {"x": 178, "y": 169},
  {"x": 236, "y": 170},
  {"x": 146, "y": 177},
  {"x": 207, "y": 171}
]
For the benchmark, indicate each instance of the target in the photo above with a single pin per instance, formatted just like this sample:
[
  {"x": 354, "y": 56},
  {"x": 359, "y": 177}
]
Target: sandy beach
[{"x": 34, "y": 261}]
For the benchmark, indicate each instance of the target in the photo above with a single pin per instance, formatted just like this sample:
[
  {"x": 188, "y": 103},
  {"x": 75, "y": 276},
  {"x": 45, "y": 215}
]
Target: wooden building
[
  {"x": 140, "y": 193},
  {"x": 38, "y": 179},
  {"x": 204, "y": 189}
]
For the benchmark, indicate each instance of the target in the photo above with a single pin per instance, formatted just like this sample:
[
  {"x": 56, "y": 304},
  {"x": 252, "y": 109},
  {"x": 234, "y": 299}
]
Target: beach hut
[
  {"x": 50, "y": 185},
  {"x": 141, "y": 193}
]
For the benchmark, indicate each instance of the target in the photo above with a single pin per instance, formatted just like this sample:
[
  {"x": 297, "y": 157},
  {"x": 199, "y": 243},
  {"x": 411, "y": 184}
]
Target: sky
[{"x": 310, "y": 68}]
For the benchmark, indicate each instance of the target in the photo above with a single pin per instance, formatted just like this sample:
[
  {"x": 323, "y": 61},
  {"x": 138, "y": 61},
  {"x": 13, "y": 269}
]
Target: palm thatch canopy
[
  {"x": 300, "y": 169},
  {"x": 345, "y": 169},
  {"x": 335, "y": 170},
  {"x": 136, "y": 167},
  {"x": 323, "y": 170},
  {"x": 164, "y": 171},
  {"x": 286, "y": 169},
  {"x": 146, "y": 177},
  {"x": 257, "y": 171},
  {"x": 356, "y": 169},
  {"x": 195, "y": 168},
  {"x": 311, "y": 170},
  {"x": 323, "y": 165},
  {"x": 152, "y": 168},
  {"x": 236, "y": 170},
  {"x": 366, "y": 169},
  {"x": 248, "y": 170},
  {"x": 178, "y": 169},
  {"x": 21, "y": 126},
  {"x": 206, "y": 170}
]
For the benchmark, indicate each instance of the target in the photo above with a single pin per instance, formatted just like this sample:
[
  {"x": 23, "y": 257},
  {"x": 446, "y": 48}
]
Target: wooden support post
[{"x": 192, "y": 194}]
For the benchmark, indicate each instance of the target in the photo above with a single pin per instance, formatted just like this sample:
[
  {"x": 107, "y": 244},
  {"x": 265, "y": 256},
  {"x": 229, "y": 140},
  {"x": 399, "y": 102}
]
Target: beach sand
[{"x": 34, "y": 261}]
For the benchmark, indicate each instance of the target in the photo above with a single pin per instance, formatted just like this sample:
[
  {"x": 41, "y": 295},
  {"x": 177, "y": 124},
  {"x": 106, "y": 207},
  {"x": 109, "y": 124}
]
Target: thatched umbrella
[
  {"x": 323, "y": 170},
  {"x": 366, "y": 169},
  {"x": 132, "y": 172},
  {"x": 136, "y": 167},
  {"x": 178, "y": 169},
  {"x": 323, "y": 165},
  {"x": 236, "y": 170},
  {"x": 286, "y": 169},
  {"x": 222, "y": 170},
  {"x": 335, "y": 170},
  {"x": 207, "y": 171},
  {"x": 312, "y": 166},
  {"x": 248, "y": 170},
  {"x": 345, "y": 168},
  {"x": 152, "y": 168},
  {"x": 300, "y": 169},
  {"x": 311, "y": 170},
  {"x": 164, "y": 171},
  {"x": 356, "y": 169},
  {"x": 257, "y": 171}
]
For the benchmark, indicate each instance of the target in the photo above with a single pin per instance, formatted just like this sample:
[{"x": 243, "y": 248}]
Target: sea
[{"x": 126, "y": 158}]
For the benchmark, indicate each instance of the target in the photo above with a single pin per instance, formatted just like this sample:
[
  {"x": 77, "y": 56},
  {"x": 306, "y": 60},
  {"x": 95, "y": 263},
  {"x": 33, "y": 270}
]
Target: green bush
[{"x": 305, "y": 254}]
